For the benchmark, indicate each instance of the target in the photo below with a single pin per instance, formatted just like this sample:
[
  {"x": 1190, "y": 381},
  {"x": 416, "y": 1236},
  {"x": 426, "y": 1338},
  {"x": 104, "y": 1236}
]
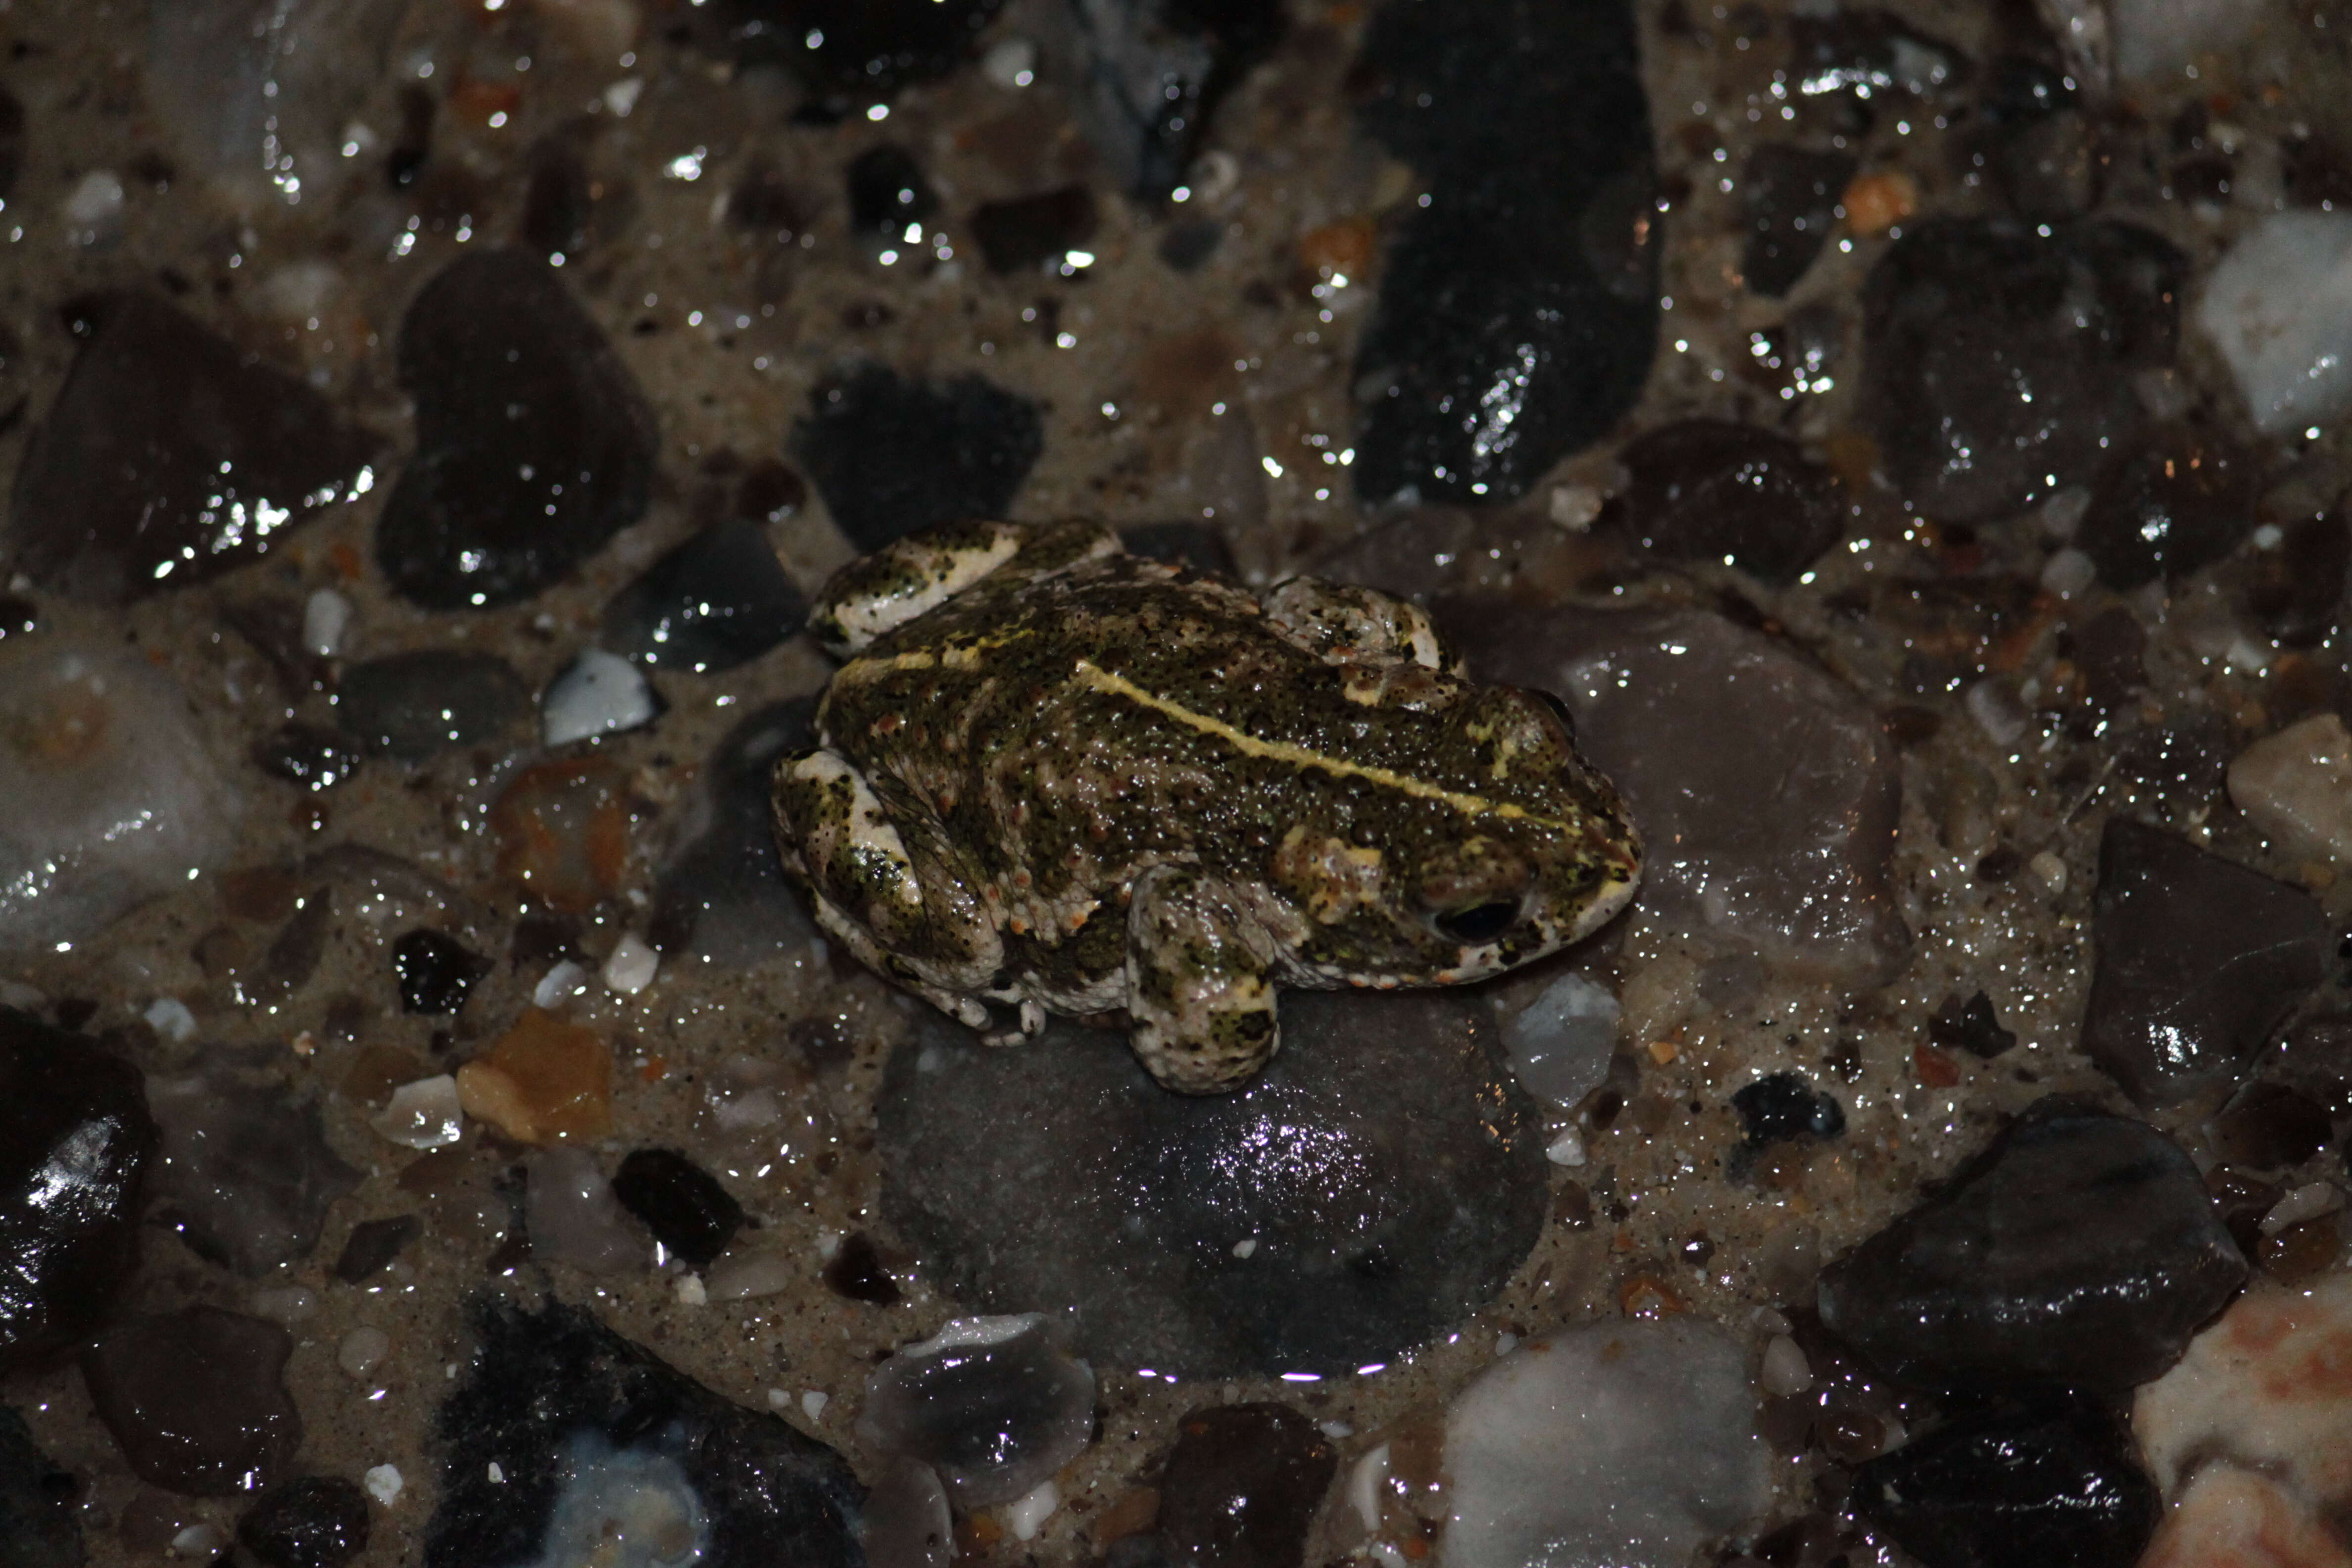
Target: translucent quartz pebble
[{"x": 991, "y": 1404}]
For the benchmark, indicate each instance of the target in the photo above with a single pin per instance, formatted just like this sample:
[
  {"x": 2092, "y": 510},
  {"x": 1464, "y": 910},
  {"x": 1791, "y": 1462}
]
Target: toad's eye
[
  {"x": 1559, "y": 710},
  {"x": 1480, "y": 923}
]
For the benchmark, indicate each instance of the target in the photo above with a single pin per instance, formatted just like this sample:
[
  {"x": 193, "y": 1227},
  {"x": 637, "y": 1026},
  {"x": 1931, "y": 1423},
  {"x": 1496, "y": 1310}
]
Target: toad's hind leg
[
  {"x": 894, "y": 897},
  {"x": 1200, "y": 981}
]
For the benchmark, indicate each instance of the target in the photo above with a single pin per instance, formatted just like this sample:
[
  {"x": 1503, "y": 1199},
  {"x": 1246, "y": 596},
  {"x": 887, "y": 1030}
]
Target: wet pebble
[
  {"x": 992, "y": 1404},
  {"x": 313, "y": 1521},
  {"x": 892, "y": 456},
  {"x": 542, "y": 1082},
  {"x": 308, "y": 756},
  {"x": 1971, "y": 1027},
  {"x": 2271, "y": 1127},
  {"x": 2177, "y": 499},
  {"x": 197, "y": 1399},
  {"x": 1243, "y": 1485},
  {"x": 76, "y": 1145},
  {"x": 723, "y": 898},
  {"x": 411, "y": 706},
  {"x": 1028, "y": 232},
  {"x": 2278, "y": 308},
  {"x": 2296, "y": 786},
  {"x": 682, "y": 1203},
  {"x": 2079, "y": 1250},
  {"x": 1782, "y": 1106},
  {"x": 562, "y": 828},
  {"x": 907, "y": 1524},
  {"x": 38, "y": 1524},
  {"x": 717, "y": 601},
  {"x": 371, "y": 1246},
  {"x": 1381, "y": 1181},
  {"x": 1517, "y": 310},
  {"x": 1791, "y": 200},
  {"x": 856, "y": 1272},
  {"x": 436, "y": 972},
  {"x": 1618, "y": 1443},
  {"x": 1711, "y": 490},
  {"x": 598, "y": 693},
  {"x": 113, "y": 796},
  {"x": 1741, "y": 761},
  {"x": 1999, "y": 363},
  {"x": 2061, "y": 1486},
  {"x": 170, "y": 456},
  {"x": 1561, "y": 1041},
  {"x": 561, "y": 1434},
  {"x": 244, "y": 1173},
  {"x": 2197, "y": 960},
  {"x": 574, "y": 1217},
  {"x": 889, "y": 200},
  {"x": 533, "y": 443},
  {"x": 1152, "y": 75}
]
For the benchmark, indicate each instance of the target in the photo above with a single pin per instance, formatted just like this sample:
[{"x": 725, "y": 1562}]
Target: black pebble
[
  {"x": 891, "y": 455},
  {"x": 373, "y": 1245},
  {"x": 2174, "y": 500},
  {"x": 2005, "y": 1490},
  {"x": 888, "y": 191},
  {"x": 1023, "y": 234},
  {"x": 1969, "y": 1026},
  {"x": 682, "y": 1203},
  {"x": 717, "y": 601},
  {"x": 1784, "y": 1106},
  {"x": 1712, "y": 489},
  {"x": 533, "y": 444},
  {"x": 436, "y": 972},
  {"x": 39, "y": 1524},
  {"x": 857, "y": 1273},
  {"x": 1790, "y": 201},
  {"x": 307, "y": 755},
  {"x": 315, "y": 1522},
  {"x": 410, "y": 705}
]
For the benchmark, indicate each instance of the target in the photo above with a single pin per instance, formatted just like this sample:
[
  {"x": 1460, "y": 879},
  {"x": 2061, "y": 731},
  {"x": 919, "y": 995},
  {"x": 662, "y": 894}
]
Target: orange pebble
[
  {"x": 1876, "y": 202},
  {"x": 1937, "y": 1069}
]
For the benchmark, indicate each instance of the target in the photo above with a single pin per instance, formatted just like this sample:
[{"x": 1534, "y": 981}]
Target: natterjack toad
[{"x": 1059, "y": 776}]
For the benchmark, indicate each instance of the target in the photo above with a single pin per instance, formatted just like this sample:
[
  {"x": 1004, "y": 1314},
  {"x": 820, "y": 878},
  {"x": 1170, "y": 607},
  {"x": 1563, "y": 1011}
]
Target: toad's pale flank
[{"x": 1061, "y": 778}]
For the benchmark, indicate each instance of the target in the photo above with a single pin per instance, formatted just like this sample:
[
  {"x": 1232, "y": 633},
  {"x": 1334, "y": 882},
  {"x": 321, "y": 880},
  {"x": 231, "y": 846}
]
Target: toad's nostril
[{"x": 1480, "y": 922}]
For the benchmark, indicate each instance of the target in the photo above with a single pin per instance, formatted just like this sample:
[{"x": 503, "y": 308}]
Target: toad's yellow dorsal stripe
[{"x": 1242, "y": 741}]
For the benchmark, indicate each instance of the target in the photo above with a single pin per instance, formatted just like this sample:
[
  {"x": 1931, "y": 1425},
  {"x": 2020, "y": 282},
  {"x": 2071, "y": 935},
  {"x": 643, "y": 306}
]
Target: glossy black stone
[
  {"x": 852, "y": 53},
  {"x": 533, "y": 444},
  {"x": 1023, "y": 233},
  {"x": 1782, "y": 1106},
  {"x": 1243, "y": 1485},
  {"x": 888, "y": 193},
  {"x": 723, "y": 897},
  {"x": 2004, "y": 1490},
  {"x": 76, "y": 1141},
  {"x": 1789, "y": 196},
  {"x": 2080, "y": 1250},
  {"x": 856, "y": 1272},
  {"x": 308, "y": 756},
  {"x": 435, "y": 972},
  {"x": 1712, "y": 489},
  {"x": 410, "y": 705},
  {"x": 1971, "y": 1027},
  {"x": 892, "y": 456},
  {"x": 1153, "y": 72},
  {"x": 313, "y": 1521},
  {"x": 39, "y": 1526},
  {"x": 1999, "y": 364},
  {"x": 720, "y": 599},
  {"x": 1518, "y": 311},
  {"x": 170, "y": 456},
  {"x": 197, "y": 1399},
  {"x": 2197, "y": 960},
  {"x": 369, "y": 1250},
  {"x": 542, "y": 1384},
  {"x": 682, "y": 1203},
  {"x": 2177, "y": 499}
]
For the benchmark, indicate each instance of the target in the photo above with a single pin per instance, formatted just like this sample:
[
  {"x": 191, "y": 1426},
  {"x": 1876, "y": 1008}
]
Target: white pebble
[
  {"x": 362, "y": 1351},
  {"x": 621, "y": 96},
  {"x": 2297, "y": 786},
  {"x": 1996, "y": 710},
  {"x": 779, "y": 1400},
  {"x": 326, "y": 619},
  {"x": 1505, "y": 1343},
  {"x": 691, "y": 1293},
  {"x": 384, "y": 1483},
  {"x": 1785, "y": 1370},
  {"x": 2306, "y": 1201},
  {"x": 598, "y": 693},
  {"x": 498, "y": 1477},
  {"x": 2048, "y": 870},
  {"x": 630, "y": 967},
  {"x": 288, "y": 1304},
  {"x": 1561, "y": 1042},
  {"x": 737, "y": 1273},
  {"x": 2279, "y": 307},
  {"x": 169, "y": 1017},
  {"x": 1246, "y": 1247},
  {"x": 559, "y": 985},
  {"x": 814, "y": 1402},
  {"x": 2068, "y": 572},
  {"x": 94, "y": 205},
  {"x": 1567, "y": 1149},
  {"x": 1028, "y": 1515},
  {"x": 1364, "y": 1486},
  {"x": 423, "y": 1115},
  {"x": 1574, "y": 507},
  {"x": 1011, "y": 64},
  {"x": 199, "y": 1540}
]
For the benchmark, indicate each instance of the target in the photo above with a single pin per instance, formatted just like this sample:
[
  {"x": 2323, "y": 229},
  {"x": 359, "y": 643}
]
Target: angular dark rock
[
  {"x": 852, "y": 53},
  {"x": 410, "y": 705},
  {"x": 1999, "y": 364},
  {"x": 891, "y": 455},
  {"x": 2271, "y": 1127},
  {"x": 1791, "y": 198},
  {"x": 888, "y": 193},
  {"x": 1154, "y": 72},
  {"x": 2197, "y": 960},
  {"x": 568, "y": 1410},
  {"x": 306, "y": 755},
  {"x": 313, "y": 1521},
  {"x": 724, "y": 900},
  {"x": 2176, "y": 499},
  {"x": 373, "y": 1245},
  {"x": 170, "y": 456},
  {"x": 2080, "y": 1250},
  {"x": 1711, "y": 490},
  {"x": 197, "y": 1399},
  {"x": 856, "y": 1272},
  {"x": 436, "y": 972},
  {"x": 1379, "y": 1182},
  {"x": 992, "y": 1404},
  {"x": 2188, "y": 755},
  {"x": 1242, "y": 1487},
  {"x": 2050, "y": 1486},
  {"x": 1971, "y": 1027},
  {"x": 682, "y": 1203},
  {"x": 533, "y": 444},
  {"x": 1782, "y": 1106},
  {"x": 245, "y": 1173},
  {"x": 39, "y": 1526},
  {"x": 1518, "y": 311},
  {"x": 76, "y": 1141},
  {"x": 720, "y": 599},
  {"x": 1023, "y": 234}
]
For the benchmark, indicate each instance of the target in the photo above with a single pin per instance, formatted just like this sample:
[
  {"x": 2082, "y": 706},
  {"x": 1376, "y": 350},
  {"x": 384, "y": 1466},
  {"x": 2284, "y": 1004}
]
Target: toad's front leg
[{"x": 1199, "y": 982}]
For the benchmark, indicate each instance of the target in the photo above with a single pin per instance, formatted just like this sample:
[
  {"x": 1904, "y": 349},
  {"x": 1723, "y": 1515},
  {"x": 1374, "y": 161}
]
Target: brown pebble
[
  {"x": 377, "y": 1070},
  {"x": 1572, "y": 1206},
  {"x": 2301, "y": 1251},
  {"x": 262, "y": 894},
  {"x": 543, "y": 1082}
]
